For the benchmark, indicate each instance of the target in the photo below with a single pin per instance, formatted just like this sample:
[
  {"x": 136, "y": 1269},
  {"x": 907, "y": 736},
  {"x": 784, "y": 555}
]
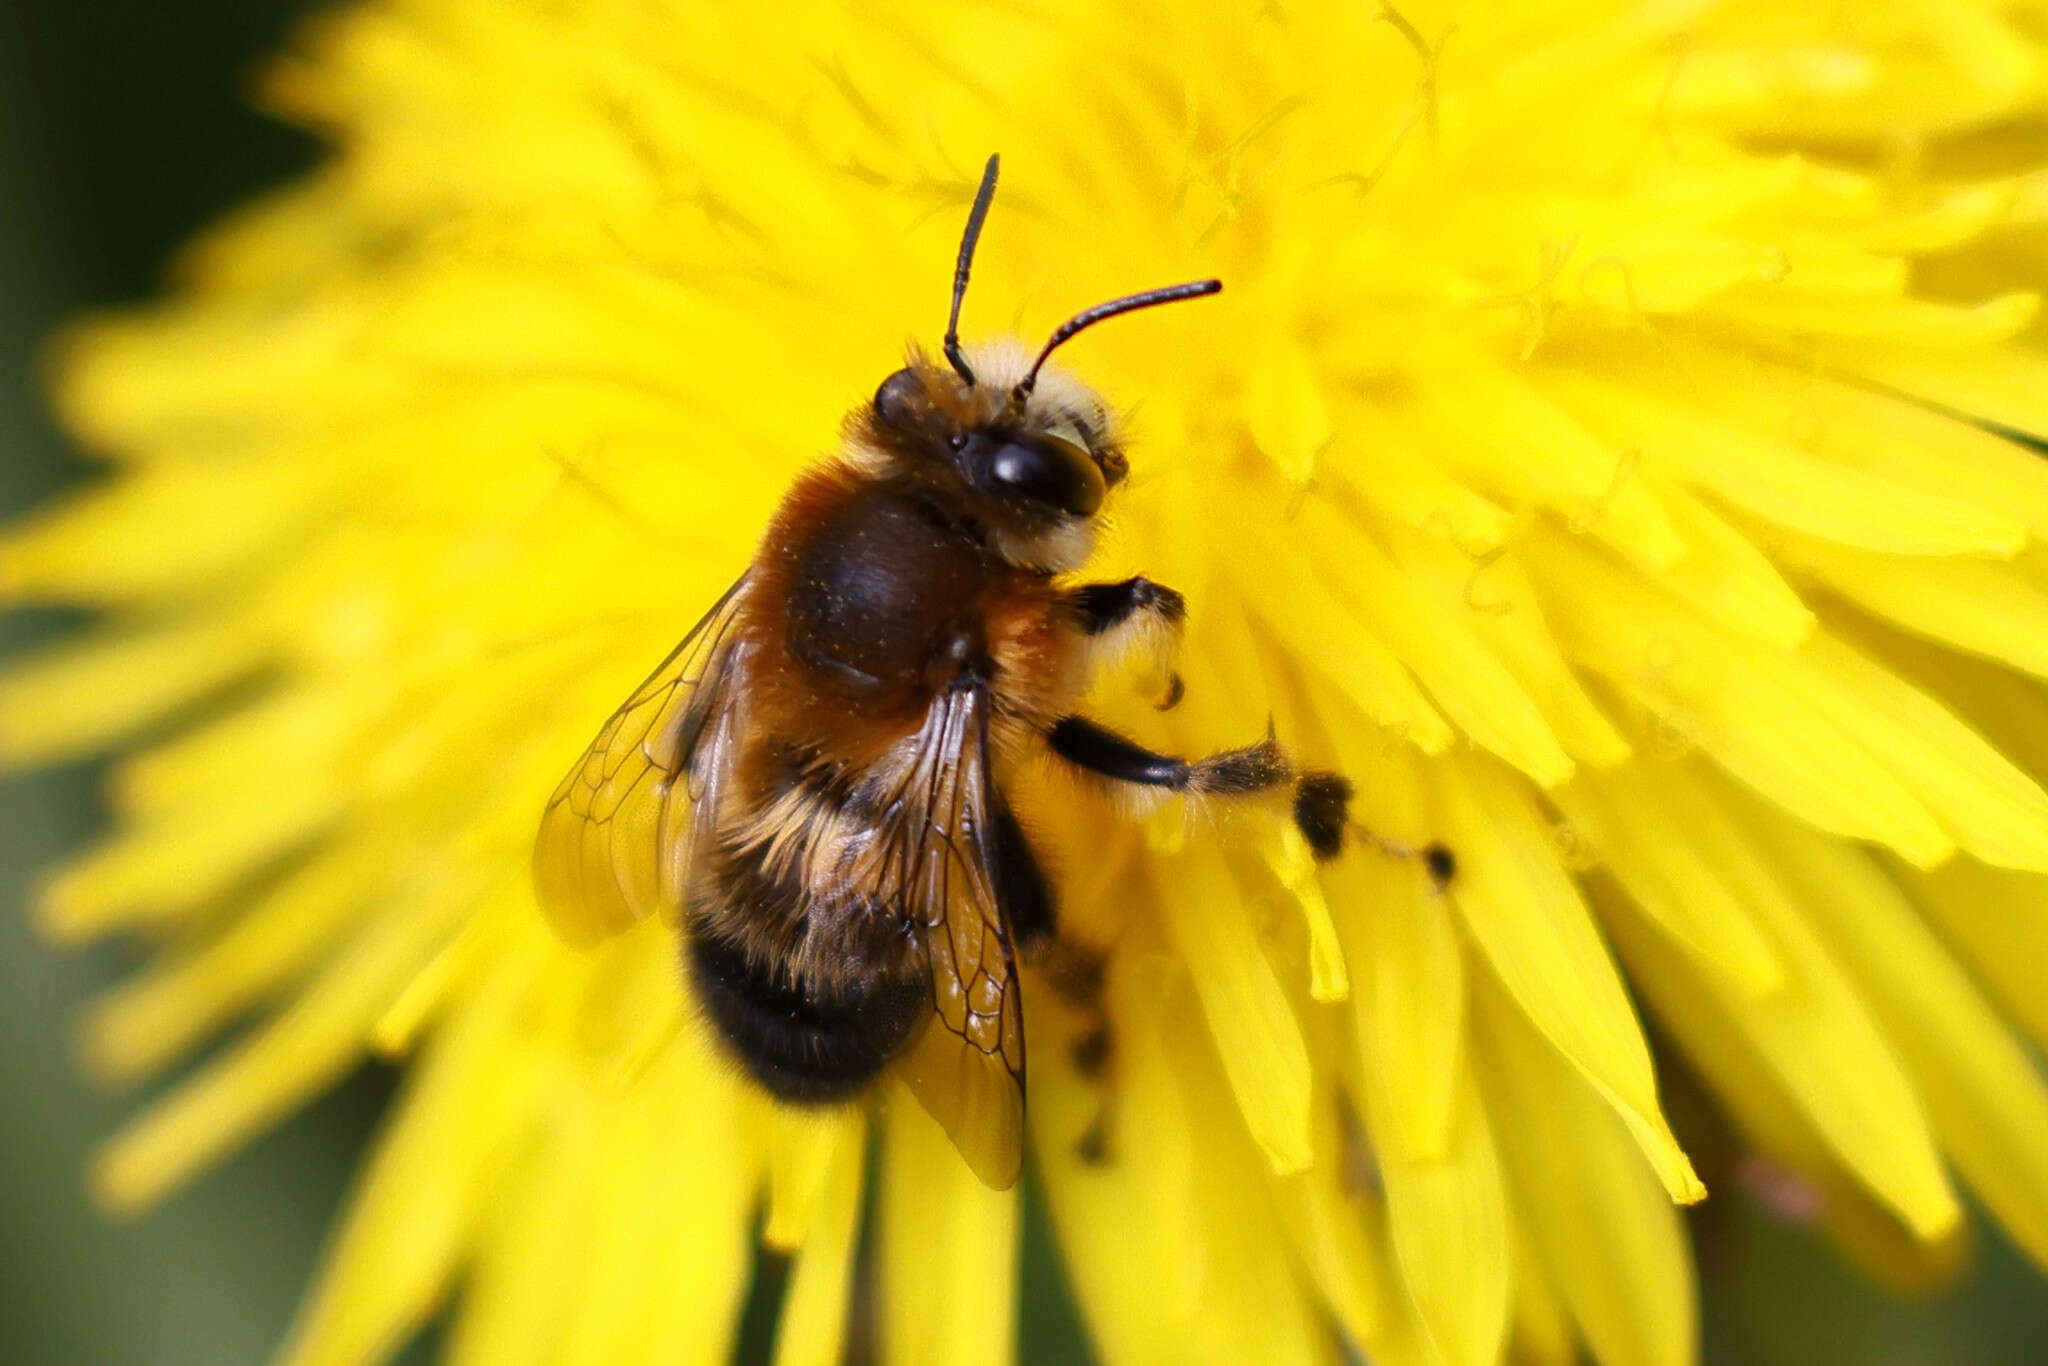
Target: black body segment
[{"x": 801, "y": 1040}]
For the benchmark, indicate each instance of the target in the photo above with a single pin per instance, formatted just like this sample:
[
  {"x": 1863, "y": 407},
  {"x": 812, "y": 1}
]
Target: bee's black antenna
[
  {"x": 1088, "y": 317},
  {"x": 975, "y": 216}
]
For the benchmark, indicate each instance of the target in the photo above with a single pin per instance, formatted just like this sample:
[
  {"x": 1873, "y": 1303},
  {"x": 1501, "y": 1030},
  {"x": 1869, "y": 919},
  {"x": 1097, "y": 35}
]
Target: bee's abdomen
[{"x": 804, "y": 1041}]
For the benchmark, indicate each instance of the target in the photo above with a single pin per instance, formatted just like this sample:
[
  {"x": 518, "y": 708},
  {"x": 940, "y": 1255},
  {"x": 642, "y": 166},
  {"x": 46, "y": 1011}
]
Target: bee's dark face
[
  {"x": 1029, "y": 467},
  {"x": 1049, "y": 453}
]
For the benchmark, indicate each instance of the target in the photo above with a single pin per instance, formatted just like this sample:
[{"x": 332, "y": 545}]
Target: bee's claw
[{"x": 1176, "y": 688}]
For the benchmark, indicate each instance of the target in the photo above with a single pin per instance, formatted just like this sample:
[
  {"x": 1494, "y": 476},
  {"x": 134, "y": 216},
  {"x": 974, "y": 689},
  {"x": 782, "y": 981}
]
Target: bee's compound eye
[
  {"x": 1049, "y": 472},
  {"x": 900, "y": 399}
]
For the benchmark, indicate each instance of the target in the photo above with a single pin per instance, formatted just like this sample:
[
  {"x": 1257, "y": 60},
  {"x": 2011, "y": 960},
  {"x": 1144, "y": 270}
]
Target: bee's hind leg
[
  {"x": 1076, "y": 973},
  {"x": 1135, "y": 617},
  {"x": 1322, "y": 800},
  {"x": 1020, "y": 882}
]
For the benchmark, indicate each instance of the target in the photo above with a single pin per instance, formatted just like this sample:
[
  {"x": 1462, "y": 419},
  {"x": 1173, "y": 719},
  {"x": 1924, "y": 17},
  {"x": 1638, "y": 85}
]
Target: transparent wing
[
  {"x": 618, "y": 833},
  {"x": 967, "y": 1065}
]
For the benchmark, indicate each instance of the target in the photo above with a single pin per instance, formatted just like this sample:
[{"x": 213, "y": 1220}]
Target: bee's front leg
[
  {"x": 1134, "y": 617},
  {"x": 1322, "y": 801},
  {"x": 1242, "y": 772}
]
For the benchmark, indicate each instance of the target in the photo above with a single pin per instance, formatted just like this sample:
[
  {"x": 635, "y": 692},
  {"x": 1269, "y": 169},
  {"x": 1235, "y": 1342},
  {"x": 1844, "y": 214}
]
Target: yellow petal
[
  {"x": 1912, "y": 322},
  {"x": 171, "y": 866},
  {"x": 1596, "y": 1216},
  {"x": 1542, "y": 1328},
  {"x": 1814, "y": 1037},
  {"x": 1490, "y": 593},
  {"x": 1329, "y": 637},
  {"x": 688, "y": 1217},
  {"x": 1993, "y": 809},
  {"x": 79, "y": 696},
  {"x": 947, "y": 1263},
  {"x": 1983, "y": 1093},
  {"x": 1774, "y": 1115},
  {"x": 1531, "y": 449},
  {"x": 1337, "y": 1224},
  {"x": 1986, "y": 608},
  {"x": 1285, "y": 410},
  {"x": 1465, "y": 678},
  {"x": 149, "y": 1020},
  {"x": 1385, "y": 462},
  {"x": 316, "y": 1038},
  {"x": 1768, "y": 717},
  {"x": 2002, "y": 385},
  {"x": 530, "y": 1247},
  {"x": 1175, "y": 1256},
  {"x": 1999, "y": 921},
  {"x": 1294, "y": 863},
  {"x": 1633, "y": 831},
  {"x": 1527, "y": 918},
  {"x": 812, "y": 1330},
  {"x": 1448, "y": 1218},
  {"x": 1247, "y": 1010},
  {"x": 806, "y": 1155},
  {"x": 428, "y": 1186},
  {"x": 1665, "y": 410},
  {"x": 153, "y": 534},
  {"x": 1410, "y": 1010},
  {"x": 1727, "y": 577}
]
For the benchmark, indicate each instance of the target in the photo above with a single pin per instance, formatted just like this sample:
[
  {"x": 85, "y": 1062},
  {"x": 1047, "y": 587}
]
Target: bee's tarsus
[
  {"x": 1241, "y": 772},
  {"x": 1435, "y": 857},
  {"x": 1322, "y": 812}
]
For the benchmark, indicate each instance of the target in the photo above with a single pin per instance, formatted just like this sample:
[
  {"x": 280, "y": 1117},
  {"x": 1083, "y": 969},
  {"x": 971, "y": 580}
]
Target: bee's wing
[
  {"x": 967, "y": 1066},
  {"x": 618, "y": 833}
]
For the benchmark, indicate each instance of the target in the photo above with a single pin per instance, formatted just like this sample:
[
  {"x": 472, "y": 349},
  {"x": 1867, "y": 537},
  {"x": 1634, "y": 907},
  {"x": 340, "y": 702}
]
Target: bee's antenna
[
  {"x": 1088, "y": 317},
  {"x": 975, "y": 216}
]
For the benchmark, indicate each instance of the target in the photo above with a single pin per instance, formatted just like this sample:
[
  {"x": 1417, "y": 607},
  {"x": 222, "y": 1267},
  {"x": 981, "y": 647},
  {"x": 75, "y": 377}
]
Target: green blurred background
[{"x": 123, "y": 127}]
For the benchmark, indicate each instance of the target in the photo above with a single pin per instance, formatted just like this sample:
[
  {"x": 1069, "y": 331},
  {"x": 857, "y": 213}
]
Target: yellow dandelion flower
[{"x": 1617, "y": 451}]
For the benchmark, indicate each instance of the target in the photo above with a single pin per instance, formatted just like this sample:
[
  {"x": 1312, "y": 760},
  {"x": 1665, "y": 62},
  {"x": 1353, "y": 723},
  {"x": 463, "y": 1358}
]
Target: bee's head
[
  {"x": 1031, "y": 450},
  {"x": 1032, "y": 469}
]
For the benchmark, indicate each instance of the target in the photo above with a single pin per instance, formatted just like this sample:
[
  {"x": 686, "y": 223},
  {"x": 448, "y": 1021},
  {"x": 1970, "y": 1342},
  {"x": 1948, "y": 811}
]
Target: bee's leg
[
  {"x": 1322, "y": 812},
  {"x": 1020, "y": 885},
  {"x": 1322, "y": 801},
  {"x": 1076, "y": 974},
  {"x": 1136, "y": 616},
  {"x": 1230, "y": 773}
]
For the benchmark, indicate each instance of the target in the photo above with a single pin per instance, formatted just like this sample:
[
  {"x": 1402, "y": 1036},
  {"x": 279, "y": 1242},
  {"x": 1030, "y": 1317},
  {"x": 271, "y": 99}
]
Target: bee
[{"x": 813, "y": 781}]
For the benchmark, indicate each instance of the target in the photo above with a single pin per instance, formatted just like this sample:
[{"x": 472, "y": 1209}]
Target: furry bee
[{"x": 814, "y": 780}]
